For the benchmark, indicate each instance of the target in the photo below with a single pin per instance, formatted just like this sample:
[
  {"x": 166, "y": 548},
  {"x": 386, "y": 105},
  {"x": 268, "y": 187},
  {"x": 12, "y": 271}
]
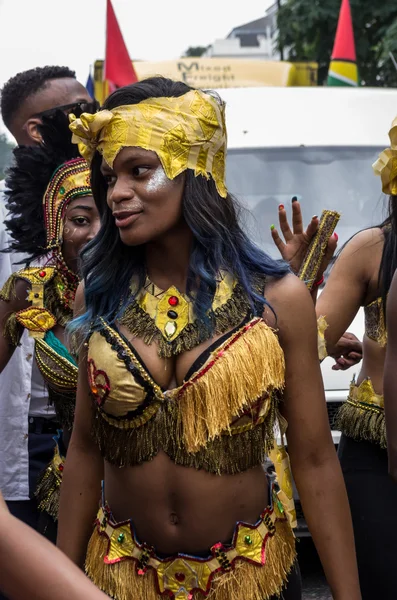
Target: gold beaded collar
[{"x": 168, "y": 316}]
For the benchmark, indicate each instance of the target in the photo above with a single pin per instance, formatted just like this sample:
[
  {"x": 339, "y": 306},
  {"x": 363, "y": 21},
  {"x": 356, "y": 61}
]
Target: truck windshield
[{"x": 322, "y": 177}]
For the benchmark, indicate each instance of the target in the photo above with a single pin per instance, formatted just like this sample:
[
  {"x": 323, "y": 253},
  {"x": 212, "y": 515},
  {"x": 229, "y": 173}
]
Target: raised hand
[{"x": 296, "y": 241}]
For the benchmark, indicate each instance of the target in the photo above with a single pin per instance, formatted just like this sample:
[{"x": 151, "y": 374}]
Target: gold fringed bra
[{"x": 220, "y": 419}]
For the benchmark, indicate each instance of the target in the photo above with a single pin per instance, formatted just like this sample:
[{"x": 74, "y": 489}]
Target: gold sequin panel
[{"x": 375, "y": 327}]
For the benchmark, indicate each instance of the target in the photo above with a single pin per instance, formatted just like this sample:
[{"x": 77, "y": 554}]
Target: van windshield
[{"x": 322, "y": 177}]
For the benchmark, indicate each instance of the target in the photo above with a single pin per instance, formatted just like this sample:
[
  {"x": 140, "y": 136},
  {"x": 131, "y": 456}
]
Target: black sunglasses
[{"x": 77, "y": 108}]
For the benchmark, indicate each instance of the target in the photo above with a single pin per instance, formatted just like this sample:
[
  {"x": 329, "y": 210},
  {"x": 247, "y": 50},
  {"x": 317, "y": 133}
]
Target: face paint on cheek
[{"x": 158, "y": 181}]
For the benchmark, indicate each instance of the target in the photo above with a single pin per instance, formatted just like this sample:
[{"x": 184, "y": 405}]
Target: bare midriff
[
  {"x": 372, "y": 364},
  {"x": 180, "y": 509}
]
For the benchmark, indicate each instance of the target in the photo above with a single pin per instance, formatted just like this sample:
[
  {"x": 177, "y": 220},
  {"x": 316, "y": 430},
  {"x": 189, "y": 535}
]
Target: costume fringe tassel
[
  {"x": 366, "y": 424},
  {"x": 12, "y": 330},
  {"x": 48, "y": 492},
  {"x": 8, "y": 290},
  {"x": 226, "y": 454},
  {"x": 215, "y": 396},
  {"x": 245, "y": 581}
]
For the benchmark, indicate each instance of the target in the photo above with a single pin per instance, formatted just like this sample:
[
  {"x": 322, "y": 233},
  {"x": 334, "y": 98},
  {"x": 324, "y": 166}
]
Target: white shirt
[{"x": 16, "y": 392}]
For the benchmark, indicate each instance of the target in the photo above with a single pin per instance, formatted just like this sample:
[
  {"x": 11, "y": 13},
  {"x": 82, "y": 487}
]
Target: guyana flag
[{"x": 343, "y": 67}]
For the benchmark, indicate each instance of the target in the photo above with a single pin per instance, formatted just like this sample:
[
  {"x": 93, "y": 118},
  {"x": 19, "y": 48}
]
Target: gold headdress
[
  {"x": 188, "y": 132},
  {"x": 386, "y": 165},
  {"x": 70, "y": 180}
]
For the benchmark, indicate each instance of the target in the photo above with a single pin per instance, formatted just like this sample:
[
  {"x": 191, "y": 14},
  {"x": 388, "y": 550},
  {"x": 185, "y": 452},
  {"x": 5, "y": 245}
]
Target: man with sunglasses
[
  {"x": 27, "y": 424},
  {"x": 29, "y": 95}
]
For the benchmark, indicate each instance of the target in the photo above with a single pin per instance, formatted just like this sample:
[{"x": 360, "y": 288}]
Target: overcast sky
[{"x": 72, "y": 32}]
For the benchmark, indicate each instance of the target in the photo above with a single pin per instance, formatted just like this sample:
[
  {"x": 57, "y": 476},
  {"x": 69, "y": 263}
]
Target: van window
[{"x": 335, "y": 178}]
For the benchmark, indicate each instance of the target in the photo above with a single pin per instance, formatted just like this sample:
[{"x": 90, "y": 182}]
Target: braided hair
[{"x": 27, "y": 181}]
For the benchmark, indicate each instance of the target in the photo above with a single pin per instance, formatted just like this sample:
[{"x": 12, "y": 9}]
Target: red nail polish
[
  {"x": 336, "y": 236},
  {"x": 281, "y": 207}
]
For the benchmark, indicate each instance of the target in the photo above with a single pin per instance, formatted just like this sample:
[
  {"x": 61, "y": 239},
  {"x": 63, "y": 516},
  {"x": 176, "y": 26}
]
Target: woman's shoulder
[
  {"x": 287, "y": 299},
  {"x": 365, "y": 240}
]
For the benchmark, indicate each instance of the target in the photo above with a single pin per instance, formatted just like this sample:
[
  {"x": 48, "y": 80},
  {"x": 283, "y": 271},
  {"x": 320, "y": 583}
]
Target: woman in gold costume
[
  {"x": 361, "y": 277},
  {"x": 190, "y": 350},
  {"x": 52, "y": 215}
]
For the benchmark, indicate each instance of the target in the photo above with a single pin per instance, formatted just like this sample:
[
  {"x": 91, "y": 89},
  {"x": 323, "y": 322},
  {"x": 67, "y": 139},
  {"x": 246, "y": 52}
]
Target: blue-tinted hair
[{"x": 108, "y": 265}]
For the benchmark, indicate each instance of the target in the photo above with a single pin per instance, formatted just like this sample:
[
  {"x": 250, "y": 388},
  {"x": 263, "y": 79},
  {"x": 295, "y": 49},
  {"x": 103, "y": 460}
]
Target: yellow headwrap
[
  {"x": 386, "y": 165},
  {"x": 188, "y": 132}
]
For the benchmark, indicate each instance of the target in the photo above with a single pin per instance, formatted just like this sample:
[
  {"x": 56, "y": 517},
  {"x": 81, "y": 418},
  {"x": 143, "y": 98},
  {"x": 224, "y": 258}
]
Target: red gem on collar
[
  {"x": 42, "y": 274},
  {"x": 173, "y": 301},
  {"x": 180, "y": 577}
]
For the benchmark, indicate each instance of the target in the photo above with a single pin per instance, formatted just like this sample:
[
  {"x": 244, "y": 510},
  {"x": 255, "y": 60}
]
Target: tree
[
  {"x": 306, "y": 31},
  {"x": 5, "y": 154},
  {"x": 195, "y": 51}
]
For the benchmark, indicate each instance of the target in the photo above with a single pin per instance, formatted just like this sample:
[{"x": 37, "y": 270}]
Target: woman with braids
[
  {"x": 51, "y": 216},
  {"x": 189, "y": 349},
  {"x": 361, "y": 276}
]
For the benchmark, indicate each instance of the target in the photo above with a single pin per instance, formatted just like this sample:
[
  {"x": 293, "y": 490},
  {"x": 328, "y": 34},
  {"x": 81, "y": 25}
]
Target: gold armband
[{"x": 318, "y": 247}]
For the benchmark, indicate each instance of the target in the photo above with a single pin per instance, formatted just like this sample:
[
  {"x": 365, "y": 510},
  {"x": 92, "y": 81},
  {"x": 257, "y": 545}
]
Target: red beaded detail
[
  {"x": 60, "y": 467},
  {"x": 173, "y": 301},
  {"x": 42, "y": 274}
]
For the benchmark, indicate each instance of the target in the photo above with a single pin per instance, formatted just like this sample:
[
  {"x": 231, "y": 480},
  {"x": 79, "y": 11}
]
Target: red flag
[
  {"x": 118, "y": 66},
  {"x": 344, "y": 40}
]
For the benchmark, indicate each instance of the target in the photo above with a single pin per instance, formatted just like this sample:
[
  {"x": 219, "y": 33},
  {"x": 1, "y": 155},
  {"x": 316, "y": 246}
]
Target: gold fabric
[
  {"x": 188, "y": 132},
  {"x": 156, "y": 303},
  {"x": 37, "y": 319},
  {"x": 111, "y": 383},
  {"x": 386, "y": 165},
  {"x": 362, "y": 416},
  {"x": 318, "y": 247},
  {"x": 321, "y": 343},
  {"x": 280, "y": 459},
  {"x": 375, "y": 327},
  {"x": 255, "y": 565}
]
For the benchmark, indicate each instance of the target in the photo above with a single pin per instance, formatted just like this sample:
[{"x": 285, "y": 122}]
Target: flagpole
[{"x": 104, "y": 86}]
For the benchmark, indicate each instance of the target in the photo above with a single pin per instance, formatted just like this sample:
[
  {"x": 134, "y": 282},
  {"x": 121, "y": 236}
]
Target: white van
[{"x": 317, "y": 144}]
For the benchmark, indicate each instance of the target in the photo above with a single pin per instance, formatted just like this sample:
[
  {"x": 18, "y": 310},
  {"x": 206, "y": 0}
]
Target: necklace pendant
[
  {"x": 172, "y": 314},
  {"x": 170, "y": 329}
]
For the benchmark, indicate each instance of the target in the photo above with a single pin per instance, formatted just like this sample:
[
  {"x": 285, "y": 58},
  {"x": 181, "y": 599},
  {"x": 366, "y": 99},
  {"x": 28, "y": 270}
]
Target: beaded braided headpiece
[{"x": 70, "y": 180}]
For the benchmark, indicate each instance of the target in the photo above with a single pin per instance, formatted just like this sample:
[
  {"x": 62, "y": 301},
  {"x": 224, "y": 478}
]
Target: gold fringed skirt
[
  {"x": 49, "y": 485},
  {"x": 362, "y": 416},
  {"x": 254, "y": 566}
]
